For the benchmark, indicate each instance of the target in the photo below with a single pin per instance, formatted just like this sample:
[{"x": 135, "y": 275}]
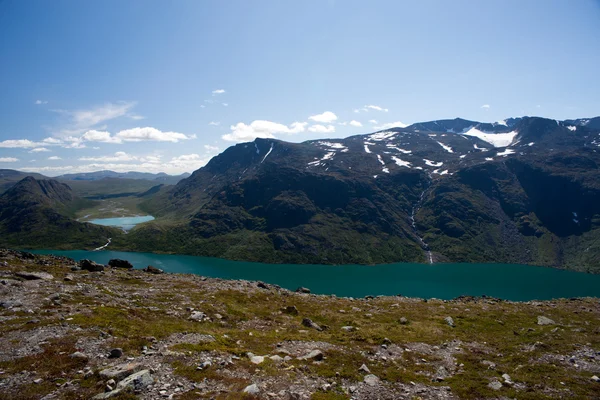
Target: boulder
[
  {"x": 371, "y": 380},
  {"x": 315, "y": 355},
  {"x": 541, "y": 320},
  {"x": 302, "y": 290},
  {"x": 449, "y": 321},
  {"x": 198, "y": 316},
  {"x": 31, "y": 276},
  {"x": 495, "y": 385},
  {"x": 252, "y": 389},
  {"x": 310, "y": 324},
  {"x": 348, "y": 328},
  {"x": 292, "y": 310},
  {"x": 257, "y": 359},
  {"x": 153, "y": 270},
  {"x": 91, "y": 266},
  {"x": 365, "y": 369},
  {"x": 118, "y": 263},
  {"x": 115, "y": 353},
  {"x": 121, "y": 371},
  {"x": 135, "y": 382}
]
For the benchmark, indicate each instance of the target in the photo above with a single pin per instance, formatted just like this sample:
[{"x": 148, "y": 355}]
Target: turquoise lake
[
  {"x": 443, "y": 281},
  {"x": 126, "y": 223}
]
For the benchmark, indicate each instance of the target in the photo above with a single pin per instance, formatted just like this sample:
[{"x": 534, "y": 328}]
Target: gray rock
[
  {"x": 252, "y": 389},
  {"x": 68, "y": 278},
  {"x": 541, "y": 320},
  {"x": 135, "y": 382},
  {"x": 496, "y": 385},
  {"x": 371, "y": 380},
  {"x": 257, "y": 359},
  {"x": 365, "y": 369},
  {"x": 441, "y": 374},
  {"x": 595, "y": 378},
  {"x": 507, "y": 379},
  {"x": 348, "y": 328},
  {"x": 38, "y": 381},
  {"x": 153, "y": 270},
  {"x": 403, "y": 321},
  {"x": 302, "y": 290},
  {"x": 310, "y": 324},
  {"x": 79, "y": 355},
  {"x": 115, "y": 353},
  {"x": 31, "y": 276},
  {"x": 118, "y": 263},
  {"x": 204, "y": 365},
  {"x": 276, "y": 358},
  {"x": 449, "y": 321},
  {"x": 121, "y": 371},
  {"x": 291, "y": 310},
  {"x": 91, "y": 266},
  {"x": 197, "y": 316},
  {"x": 315, "y": 355},
  {"x": 490, "y": 364}
]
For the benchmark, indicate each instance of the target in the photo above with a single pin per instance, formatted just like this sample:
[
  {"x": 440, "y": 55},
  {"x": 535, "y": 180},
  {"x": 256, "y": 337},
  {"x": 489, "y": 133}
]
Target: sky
[{"x": 159, "y": 86}]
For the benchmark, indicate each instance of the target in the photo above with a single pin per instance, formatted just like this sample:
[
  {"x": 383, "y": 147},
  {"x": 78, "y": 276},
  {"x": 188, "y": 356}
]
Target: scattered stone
[
  {"x": 292, "y": 310},
  {"x": 118, "y": 263},
  {"x": 91, "y": 266},
  {"x": 371, "y": 380},
  {"x": 135, "y": 382},
  {"x": 403, "y": 321},
  {"x": 541, "y": 320},
  {"x": 68, "y": 278},
  {"x": 441, "y": 374},
  {"x": 204, "y": 365},
  {"x": 121, "y": 371},
  {"x": 315, "y": 355},
  {"x": 595, "y": 378},
  {"x": 79, "y": 355},
  {"x": 348, "y": 328},
  {"x": 495, "y": 385},
  {"x": 365, "y": 369},
  {"x": 38, "y": 381},
  {"x": 262, "y": 285},
  {"x": 507, "y": 379},
  {"x": 490, "y": 365},
  {"x": 197, "y": 316},
  {"x": 153, "y": 270},
  {"x": 386, "y": 341},
  {"x": 449, "y": 321},
  {"x": 252, "y": 389},
  {"x": 32, "y": 276},
  {"x": 115, "y": 353},
  {"x": 310, "y": 324},
  {"x": 302, "y": 290},
  {"x": 276, "y": 358},
  {"x": 257, "y": 359}
]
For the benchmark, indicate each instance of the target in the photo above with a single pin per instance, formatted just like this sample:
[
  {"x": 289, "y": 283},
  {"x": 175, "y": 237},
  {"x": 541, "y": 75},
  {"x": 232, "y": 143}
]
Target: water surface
[
  {"x": 443, "y": 281},
  {"x": 126, "y": 223}
]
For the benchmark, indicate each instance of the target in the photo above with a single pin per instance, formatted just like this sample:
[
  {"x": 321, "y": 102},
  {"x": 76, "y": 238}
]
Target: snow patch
[
  {"x": 495, "y": 139},
  {"x": 401, "y": 163},
  {"x": 380, "y": 160},
  {"x": 257, "y": 151},
  {"x": 333, "y": 145},
  {"x": 269, "y": 152},
  {"x": 391, "y": 146},
  {"x": 489, "y": 159},
  {"x": 432, "y": 163},
  {"x": 382, "y": 135},
  {"x": 447, "y": 148},
  {"x": 530, "y": 144},
  {"x": 506, "y": 152},
  {"x": 463, "y": 156},
  {"x": 502, "y": 123},
  {"x": 384, "y": 169},
  {"x": 367, "y": 149},
  {"x": 572, "y": 128}
]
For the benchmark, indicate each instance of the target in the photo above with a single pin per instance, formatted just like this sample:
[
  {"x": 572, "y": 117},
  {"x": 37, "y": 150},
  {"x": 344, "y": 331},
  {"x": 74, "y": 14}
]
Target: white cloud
[
  {"x": 322, "y": 128},
  {"x": 100, "y": 136},
  {"x": 225, "y": 104},
  {"x": 51, "y": 140},
  {"x": 214, "y": 123},
  {"x": 119, "y": 156},
  {"x": 38, "y": 102},
  {"x": 202, "y": 106},
  {"x": 261, "y": 129},
  {"x": 38, "y": 150},
  {"x": 54, "y": 158},
  {"x": 218, "y": 91},
  {"x": 389, "y": 125},
  {"x": 151, "y": 134},
  {"x": 136, "y": 117},
  {"x": 101, "y": 113},
  {"x": 211, "y": 149},
  {"x": 485, "y": 106},
  {"x": 326, "y": 117},
  {"x": 355, "y": 123},
  {"x": 373, "y": 121},
  {"x": 370, "y": 107},
  {"x": 19, "y": 144},
  {"x": 8, "y": 159}
]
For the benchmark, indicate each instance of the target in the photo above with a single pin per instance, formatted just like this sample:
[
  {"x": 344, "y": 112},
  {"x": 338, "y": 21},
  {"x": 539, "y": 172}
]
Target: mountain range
[{"x": 522, "y": 190}]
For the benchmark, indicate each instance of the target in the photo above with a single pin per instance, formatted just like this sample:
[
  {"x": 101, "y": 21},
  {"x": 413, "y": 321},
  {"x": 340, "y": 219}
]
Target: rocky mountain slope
[
  {"x": 39, "y": 213},
  {"x": 523, "y": 190},
  {"x": 9, "y": 177},
  {"x": 119, "y": 333}
]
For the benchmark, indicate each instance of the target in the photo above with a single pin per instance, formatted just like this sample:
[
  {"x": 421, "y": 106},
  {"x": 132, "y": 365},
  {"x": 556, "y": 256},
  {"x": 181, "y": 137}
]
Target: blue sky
[{"x": 163, "y": 86}]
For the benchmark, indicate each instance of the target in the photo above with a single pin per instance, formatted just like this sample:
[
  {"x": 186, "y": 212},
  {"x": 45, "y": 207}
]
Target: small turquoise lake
[
  {"x": 443, "y": 281},
  {"x": 126, "y": 223}
]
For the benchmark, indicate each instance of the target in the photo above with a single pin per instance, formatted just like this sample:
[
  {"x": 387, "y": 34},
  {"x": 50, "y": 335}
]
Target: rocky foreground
[{"x": 79, "y": 330}]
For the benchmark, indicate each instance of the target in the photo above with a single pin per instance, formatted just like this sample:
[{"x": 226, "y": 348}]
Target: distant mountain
[
  {"x": 9, "y": 177},
  {"x": 93, "y": 176},
  {"x": 522, "y": 190},
  {"x": 39, "y": 213}
]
